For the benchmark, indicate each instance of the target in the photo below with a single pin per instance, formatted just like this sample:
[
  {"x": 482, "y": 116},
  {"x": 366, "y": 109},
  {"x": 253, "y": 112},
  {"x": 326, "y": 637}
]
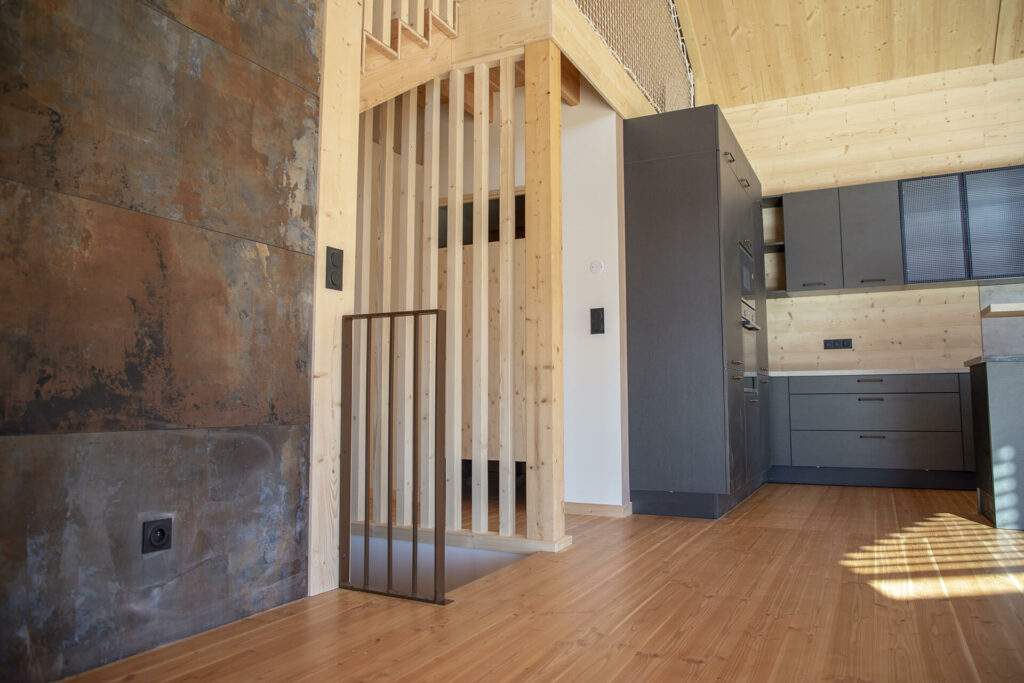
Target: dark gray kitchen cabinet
[
  {"x": 872, "y": 247},
  {"x": 814, "y": 257},
  {"x": 933, "y": 233},
  {"x": 778, "y": 441},
  {"x": 995, "y": 222},
  {"x": 691, "y": 207}
]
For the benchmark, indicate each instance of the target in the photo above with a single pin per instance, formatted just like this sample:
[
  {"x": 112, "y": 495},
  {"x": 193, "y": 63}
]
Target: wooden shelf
[{"x": 1003, "y": 311}]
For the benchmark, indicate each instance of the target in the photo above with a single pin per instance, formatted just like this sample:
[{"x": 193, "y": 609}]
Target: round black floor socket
[{"x": 156, "y": 535}]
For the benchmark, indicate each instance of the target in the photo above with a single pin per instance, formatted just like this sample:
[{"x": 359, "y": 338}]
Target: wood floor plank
[{"x": 797, "y": 583}]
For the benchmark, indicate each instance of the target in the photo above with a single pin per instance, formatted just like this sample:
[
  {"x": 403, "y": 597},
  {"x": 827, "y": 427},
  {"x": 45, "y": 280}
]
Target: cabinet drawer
[
  {"x": 886, "y": 450},
  {"x": 878, "y": 412},
  {"x": 875, "y": 384}
]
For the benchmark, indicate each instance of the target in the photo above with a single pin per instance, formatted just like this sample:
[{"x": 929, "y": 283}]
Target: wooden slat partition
[
  {"x": 506, "y": 299},
  {"x": 545, "y": 517},
  {"x": 404, "y": 354},
  {"x": 481, "y": 279},
  {"x": 429, "y": 269},
  {"x": 385, "y": 238},
  {"x": 453, "y": 410},
  {"x": 362, "y": 301}
]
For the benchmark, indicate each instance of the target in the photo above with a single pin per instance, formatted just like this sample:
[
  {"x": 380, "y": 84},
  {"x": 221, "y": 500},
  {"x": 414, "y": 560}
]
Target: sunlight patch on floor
[{"x": 943, "y": 556}]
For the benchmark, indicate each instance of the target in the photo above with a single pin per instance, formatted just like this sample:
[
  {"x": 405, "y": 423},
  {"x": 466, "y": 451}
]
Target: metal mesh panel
[
  {"x": 995, "y": 210},
  {"x": 644, "y": 36},
  {"x": 933, "y": 236}
]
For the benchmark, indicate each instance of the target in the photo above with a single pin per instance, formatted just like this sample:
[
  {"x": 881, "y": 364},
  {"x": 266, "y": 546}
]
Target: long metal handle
[
  {"x": 871, "y": 436},
  {"x": 735, "y": 377},
  {"x": 752, "y": 400},
  {"x": 873, "y": 279},
  {"x": 736, "y": 362},
  {"x": 869, "y": 398},
  {"x": 814, "y": 284},
  {"x": 870, "y": 380}
]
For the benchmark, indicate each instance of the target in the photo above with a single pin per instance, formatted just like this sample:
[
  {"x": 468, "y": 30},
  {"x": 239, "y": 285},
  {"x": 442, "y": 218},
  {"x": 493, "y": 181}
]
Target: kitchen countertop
[
  {"x": 860, "y": 371},
  {"x": 992, "y": 359}
]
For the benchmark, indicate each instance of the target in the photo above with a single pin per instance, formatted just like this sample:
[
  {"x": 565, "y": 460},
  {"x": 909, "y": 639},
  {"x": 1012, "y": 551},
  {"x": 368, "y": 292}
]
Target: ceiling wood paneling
[{"x": 754, "y": 51}]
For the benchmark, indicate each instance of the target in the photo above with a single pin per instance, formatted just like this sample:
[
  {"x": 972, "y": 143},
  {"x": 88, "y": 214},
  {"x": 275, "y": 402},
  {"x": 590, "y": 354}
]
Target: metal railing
[{"x": 438, "y": 491}]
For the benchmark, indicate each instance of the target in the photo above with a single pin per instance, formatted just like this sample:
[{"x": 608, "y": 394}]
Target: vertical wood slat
[
  {"x": 545, "y": 429},
  {"x": 506, "y": 298},
  {"x": 418, "y": 16},
  {"x": 429, "y": 259},
  {"x": 383, "y": 442},
  {"x": 363, "y": 256},
  {"x": 383, "y": 25},
  {"x": 481, "y": 296},
  {"x": 453, "y": 326},
  {"x": 405, "y": 350}
]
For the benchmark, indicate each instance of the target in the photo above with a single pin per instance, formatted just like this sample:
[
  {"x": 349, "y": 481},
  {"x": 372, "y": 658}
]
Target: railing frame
[{"x": 345, "y": 519}]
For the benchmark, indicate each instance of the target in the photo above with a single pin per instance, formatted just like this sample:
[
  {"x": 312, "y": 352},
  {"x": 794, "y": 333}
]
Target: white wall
[{"x": 595, "y": 454}]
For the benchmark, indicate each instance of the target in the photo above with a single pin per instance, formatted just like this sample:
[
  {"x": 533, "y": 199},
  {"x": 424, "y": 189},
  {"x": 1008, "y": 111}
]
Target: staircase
[{"x": 411, "y": 47}]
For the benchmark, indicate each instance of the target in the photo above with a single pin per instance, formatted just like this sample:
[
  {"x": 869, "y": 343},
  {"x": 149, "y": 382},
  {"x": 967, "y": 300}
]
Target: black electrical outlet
[
  {"x": 335, "y": 259},
  {"x": 831, "y": 344},
  {"x": 596, "y": 321},
  {"x": 156, "y": 535}
]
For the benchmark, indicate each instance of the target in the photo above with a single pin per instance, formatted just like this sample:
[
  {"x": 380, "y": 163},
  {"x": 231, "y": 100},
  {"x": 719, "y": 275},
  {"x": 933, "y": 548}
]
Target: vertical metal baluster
[
  {"x": 439, "y": 457},
  {"x": 415, "y": 447},
  {"x": 369, "y": 452},
  {"x": 391, "y": 444}
]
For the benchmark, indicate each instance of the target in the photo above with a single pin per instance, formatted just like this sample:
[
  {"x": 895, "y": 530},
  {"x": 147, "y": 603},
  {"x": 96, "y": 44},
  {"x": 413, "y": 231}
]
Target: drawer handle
[
  {"x": 753, "y": 400},
  {"x": 870, "y": 380},
  {"x": 871, "y": 436},
  {"x": 873, "y": 279},
  {"x": 729, "y": 157},
  {"x": 869, "y": 398},
  {"x": 736, "y": 362},
  {"x": 739, "y": 377},
  {"x": 814, "y": 284},
  {"x": 744, "y": 182}
]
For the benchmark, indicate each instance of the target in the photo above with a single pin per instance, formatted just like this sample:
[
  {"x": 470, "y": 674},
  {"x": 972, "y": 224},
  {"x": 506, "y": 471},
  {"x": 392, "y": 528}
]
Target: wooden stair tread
[{"x": 377, "y": 52}]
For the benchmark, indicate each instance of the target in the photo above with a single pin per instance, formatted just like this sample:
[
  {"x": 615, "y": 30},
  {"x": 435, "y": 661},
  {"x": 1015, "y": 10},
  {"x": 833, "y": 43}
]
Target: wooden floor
[{"x": 799, "y": 583}]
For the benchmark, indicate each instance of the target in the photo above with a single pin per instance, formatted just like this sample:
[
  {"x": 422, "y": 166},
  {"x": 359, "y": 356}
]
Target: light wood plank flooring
[{"x": 799, "y": 583}]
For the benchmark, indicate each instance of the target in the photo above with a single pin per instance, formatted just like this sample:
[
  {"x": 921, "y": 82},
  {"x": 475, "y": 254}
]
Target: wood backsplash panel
[{"x": 917, "y": 328}]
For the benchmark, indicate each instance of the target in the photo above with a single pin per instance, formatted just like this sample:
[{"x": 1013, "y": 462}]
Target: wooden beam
[
  {"x": 336, "y": 226},
  {"x": 506, "y": 299},
  {"x": 453, "y": 409},
  {"x": 578, "y": 41},
  {"x": 545, "y": 517},
  {"x": 481, "y": 295}
]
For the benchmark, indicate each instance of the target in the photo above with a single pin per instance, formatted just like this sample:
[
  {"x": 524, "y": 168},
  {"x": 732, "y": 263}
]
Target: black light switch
[
  {"x": 596, "y": 321},
  {"x": 334, "y": 263}
]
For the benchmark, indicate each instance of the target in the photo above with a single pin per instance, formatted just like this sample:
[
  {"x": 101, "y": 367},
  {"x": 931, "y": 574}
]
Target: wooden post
[
  {"x": 406, "y": 269},
  {"x": 431, "y": 199},
  {"x": 453, "y": 409},
  {"x": 545, "y": 516},
  {"x": 335, "y": 226},
  {"x": 481, "y": 293},
  {"x": 386, "y": 237},
  {"x": 506, "y": 298}
]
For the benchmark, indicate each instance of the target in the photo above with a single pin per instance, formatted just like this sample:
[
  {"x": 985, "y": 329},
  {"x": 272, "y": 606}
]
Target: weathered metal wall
[{"x": 157, "y": 203}]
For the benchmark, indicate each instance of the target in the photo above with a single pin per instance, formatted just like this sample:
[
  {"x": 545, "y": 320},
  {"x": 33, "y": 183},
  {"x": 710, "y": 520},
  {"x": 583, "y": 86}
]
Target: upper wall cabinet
[
  {"x": 869, "y": 219},
  {"x": 995, "y": 222},
  {"x": 814, "y": 257},
  {"x": 933, "y": 235}
]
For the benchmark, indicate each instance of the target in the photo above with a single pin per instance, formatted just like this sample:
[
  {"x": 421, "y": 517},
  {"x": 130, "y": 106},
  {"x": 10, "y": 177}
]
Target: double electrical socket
[{"x": 831, "y": 344}]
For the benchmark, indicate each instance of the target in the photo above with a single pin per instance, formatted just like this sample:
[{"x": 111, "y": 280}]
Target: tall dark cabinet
[{"x": 695, "y": 298}]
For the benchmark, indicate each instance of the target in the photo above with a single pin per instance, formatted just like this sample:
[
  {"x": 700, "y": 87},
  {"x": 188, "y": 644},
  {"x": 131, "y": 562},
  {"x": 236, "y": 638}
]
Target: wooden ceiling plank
[{"x": 1009, "y": 32}]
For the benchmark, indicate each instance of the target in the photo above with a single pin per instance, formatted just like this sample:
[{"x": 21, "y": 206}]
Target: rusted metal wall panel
[
  {"x": 114, "y": 320},
  {"x": 263, "y": 31},
  {"x": 75, "y": 591},
  {"x": 112, "y": 100},
  {"x": 157, "y": 193}
]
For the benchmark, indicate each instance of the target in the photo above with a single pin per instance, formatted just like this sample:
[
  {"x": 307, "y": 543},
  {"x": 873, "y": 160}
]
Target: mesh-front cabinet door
[
  {"x": 995, "y": 211},
  {"x": 933, "y": 234}
]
